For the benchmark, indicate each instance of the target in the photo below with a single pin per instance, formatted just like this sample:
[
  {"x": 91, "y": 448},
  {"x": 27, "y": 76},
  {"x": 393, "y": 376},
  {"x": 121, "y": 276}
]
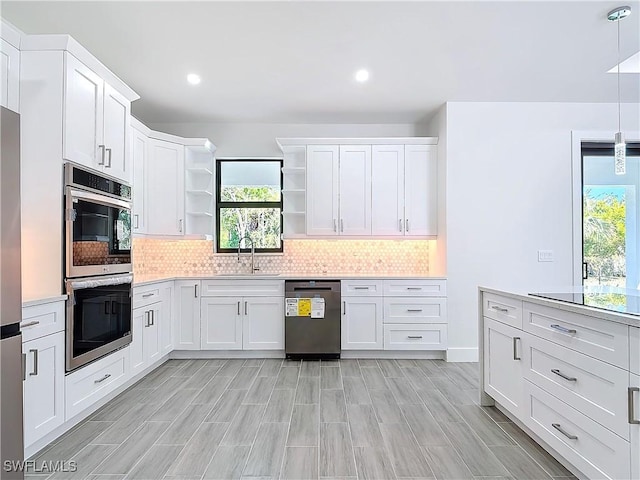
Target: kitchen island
[{"x": 568, "y": 373}]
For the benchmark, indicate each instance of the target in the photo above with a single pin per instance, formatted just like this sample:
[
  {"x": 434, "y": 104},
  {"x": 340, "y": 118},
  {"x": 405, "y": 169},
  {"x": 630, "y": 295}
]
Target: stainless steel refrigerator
[{"x": 11, "y": 370}]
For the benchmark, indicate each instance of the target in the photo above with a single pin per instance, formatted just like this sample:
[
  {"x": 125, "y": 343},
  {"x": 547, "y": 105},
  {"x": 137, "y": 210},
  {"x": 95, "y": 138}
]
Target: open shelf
[
  {"x": 200, "y": 170},
  {"x": 293, "y": 170},
  {"x": 200, "y": 192},
  {"x": 200, "y": 214},
  {"x": 294, "y": 190},
  {"x": 293, "y": 213}
]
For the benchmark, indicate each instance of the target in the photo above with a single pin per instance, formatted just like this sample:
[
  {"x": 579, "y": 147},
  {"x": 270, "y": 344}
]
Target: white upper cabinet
[
  {"x": 421, "y": 192},
  {"x": 139, "y": 153},
  {"x": 355, "y": 190},
  {"x": 165, "y": 188},
  {"x": 96, "y": 121},
  {"x": 9, "y": 76},
  {"x": 322, "y": 189},
  {"x": 387, "y": 190}
]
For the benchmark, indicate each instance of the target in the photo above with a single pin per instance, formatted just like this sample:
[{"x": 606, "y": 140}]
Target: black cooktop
[{"x": 611, "y": 299}]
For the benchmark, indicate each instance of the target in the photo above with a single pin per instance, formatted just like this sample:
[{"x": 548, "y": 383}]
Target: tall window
[{"x": 249, "y": 205}]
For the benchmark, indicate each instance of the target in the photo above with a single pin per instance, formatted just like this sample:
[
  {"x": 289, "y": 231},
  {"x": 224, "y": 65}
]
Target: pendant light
[{"x": 620, "y": 149}]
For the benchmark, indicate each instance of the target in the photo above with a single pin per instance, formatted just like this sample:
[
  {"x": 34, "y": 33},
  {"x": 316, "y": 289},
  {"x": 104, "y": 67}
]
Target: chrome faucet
[{"x": 254, "y": 269}]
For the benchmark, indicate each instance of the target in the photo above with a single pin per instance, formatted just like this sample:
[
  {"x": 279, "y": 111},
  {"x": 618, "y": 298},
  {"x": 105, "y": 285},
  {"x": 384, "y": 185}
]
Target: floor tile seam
[
  {"x": 139, "y": 459},
  {"x": 286, "y": 440},
  {"x": 353, "y": 448},
  {"x": 549, "y": 476},
  {"x": 118, "y": 446},
  {"x": 415, "y": 439},
  {"x": 260, "y": 423},
  {"x": 215, "y": 450},
  {"x": 434, "y": 421},
  {"x": 464, "y": 420}
]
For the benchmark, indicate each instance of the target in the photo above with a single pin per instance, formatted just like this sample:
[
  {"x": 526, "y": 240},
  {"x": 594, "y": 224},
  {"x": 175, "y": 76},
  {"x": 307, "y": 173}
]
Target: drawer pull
[
  {"x": 30, "y": 324},
  {"x": 515, "y": 349},
  {"x": 102, "y": 379},
  {"x": 566, "y": 377},
  {"x": 500, "y": 309},
  {"x": 414, "y": 288},
  {"x": 361, "y": 288},
  {"x": 632, "y": 415},
  {"x": 35, "y": 361},
  {"x": 562, "y": 329},
  {"x": 561, "y": 430},
  {"x": 24, "y": 366},
  {"x": 344, "y": 307},
  {"x": 414, "y": 309},
  {"x": 238, "y": 308},
  {"x": 414, "y": 336},
  {"x": 147, "y": 295}
]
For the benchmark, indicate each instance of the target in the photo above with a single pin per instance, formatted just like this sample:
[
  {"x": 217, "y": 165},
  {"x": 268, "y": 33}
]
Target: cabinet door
[
  {"x": 503, "y": 365},
  {"x": 43, "y": 387},
  {"x": 151, "y": 337},
  {"x": 139, "y": 146},
  {"x": 355, "y": 190},
  {"x": 263, "y": 323},
  {"x": 139, "y": 321},
  {"x": 163, "y": 320},
  {"x": 186, "y": 325},
  {"x": 387, "y": 190},
  {"x": 221, "y": 323},
  {"x": 117, "y": 111},
  {"x": 9, "y": 76},
  {"x": 421, "y": 194},
  {"x": 634, "y": 399},
  {"x": 165, "y": 188},
  {"x": 362, "y": 323},
  {"x": 83, "y": 115},
  {"x": 322, "y": 190}
]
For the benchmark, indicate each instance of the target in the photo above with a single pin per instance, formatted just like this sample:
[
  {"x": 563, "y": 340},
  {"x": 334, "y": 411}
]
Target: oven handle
[
  {"x": 102, "y": 199},
  {"x": 93, "y": 282}
]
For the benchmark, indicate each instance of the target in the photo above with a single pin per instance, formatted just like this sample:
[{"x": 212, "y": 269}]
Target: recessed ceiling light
[
  {"x": 193, "y": 79},
  {"x": 362, "y": 75}
]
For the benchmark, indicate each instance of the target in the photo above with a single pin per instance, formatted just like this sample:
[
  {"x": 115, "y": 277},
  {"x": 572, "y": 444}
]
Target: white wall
[
  {"x": 259, "y": 139},
  {"x": 508, "y": 194}
]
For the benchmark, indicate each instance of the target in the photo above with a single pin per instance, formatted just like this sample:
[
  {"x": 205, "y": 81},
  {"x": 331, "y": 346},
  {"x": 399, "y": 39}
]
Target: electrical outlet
[{"x": 545, "y": 255}]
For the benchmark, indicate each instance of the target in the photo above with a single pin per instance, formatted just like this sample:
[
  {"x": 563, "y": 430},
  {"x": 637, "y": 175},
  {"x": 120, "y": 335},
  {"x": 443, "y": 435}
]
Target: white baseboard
[
  {"x": 191, "y": 354},
  {"x": 462, "y": 354},
  {"x": 399, "y": 354}
]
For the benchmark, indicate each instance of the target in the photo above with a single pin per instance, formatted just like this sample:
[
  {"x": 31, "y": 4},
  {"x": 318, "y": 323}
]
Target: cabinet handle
[
  {"x": 238, "y": 308},
  {"x": 30, "y": 324},
  {"x": 406, "y": 224},
  {"x": 246, "y": 307},
  {"x": 147, "y": 295},
  {"x": 35, "y": 362},
  {"x": 361, "y": 288},
  {"x": 146, "y": 318},
  {"x": 566, "y": 377},
  {"x": 562, "y": 329},
  {"x": 632, "y": 415},
  {"x": 100, "y": 380},
  {"x": 414, "y": 336},
  {"x": 180, "y": 225},
  {"x": 414, "y": 309},
  {"x": 335, "y": 225},
  {"x": 400, "y": 224},
  {"x": 135, "y": 220},
  {"x": 107, "y": 304},
  {"x": 499, "y": 309},
  {"x": 515, "y": 348},
  {"x": 24, "y": 366},
  {"x": 101, "y": 147},
  {"x": 414, "y": 288},
  {"x": 195, "y": 290},
  {"x": 108, "y": 157},
  {"x": 561, "y": 430},
  {"x": 341, "y": 225},
  {"x": 153, "y": 317},
  {"x": 344, "y": 307}
]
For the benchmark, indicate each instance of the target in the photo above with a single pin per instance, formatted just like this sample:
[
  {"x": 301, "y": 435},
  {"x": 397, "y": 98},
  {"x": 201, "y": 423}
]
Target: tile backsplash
[{"x": 305, "y": 257}]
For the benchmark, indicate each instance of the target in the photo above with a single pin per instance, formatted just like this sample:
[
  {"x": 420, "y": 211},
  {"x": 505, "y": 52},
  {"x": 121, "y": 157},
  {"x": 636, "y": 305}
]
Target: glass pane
[
  {"x": 261, "y": 225},
  {"x": 610, "y": 229},
  {"x": 250, "y": 181}
]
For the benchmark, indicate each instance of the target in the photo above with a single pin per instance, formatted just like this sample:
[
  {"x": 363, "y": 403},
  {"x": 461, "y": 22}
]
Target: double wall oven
[{"x": 98, "y": 265}]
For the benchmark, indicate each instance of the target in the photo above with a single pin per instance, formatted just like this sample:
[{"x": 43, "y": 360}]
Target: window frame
[{"x": 224, "y": 204}]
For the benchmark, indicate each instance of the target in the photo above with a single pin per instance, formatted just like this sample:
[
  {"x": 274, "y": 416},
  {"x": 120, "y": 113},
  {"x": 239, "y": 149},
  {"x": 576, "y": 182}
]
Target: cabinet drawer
[
  {"x": 415, "y": 337},
  {"x": 415, "y": 310},
  {"x": 596, "y": 451},
  {"x": 634, "y": 350},
  {"x": 593, "y": 387},
  {"x": 361, "y": 288},
  {"x": 230, "y": 288},
  {"x": 89, "y": 384},
  {"x": 143, "y": 296},
  {"x": 417, "y": 288},
  {"x": 601, "y": 339},
  {"x": 40, "y": 320},
  {"x": 503, "y": 309}
]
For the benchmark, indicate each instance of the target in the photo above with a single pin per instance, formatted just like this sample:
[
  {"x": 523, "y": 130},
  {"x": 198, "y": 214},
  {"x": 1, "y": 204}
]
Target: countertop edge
[
  {"x": 282, "y": 277},
  {"x": 44, "y": 301}
]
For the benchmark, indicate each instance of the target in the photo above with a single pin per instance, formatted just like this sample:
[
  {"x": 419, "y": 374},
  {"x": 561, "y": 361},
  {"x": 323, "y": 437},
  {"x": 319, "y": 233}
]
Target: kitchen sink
[{"x": 247, "y": 275}]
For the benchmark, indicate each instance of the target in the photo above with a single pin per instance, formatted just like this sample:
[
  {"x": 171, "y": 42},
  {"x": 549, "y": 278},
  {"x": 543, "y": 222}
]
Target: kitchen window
[{"x": 249, "y": 204}]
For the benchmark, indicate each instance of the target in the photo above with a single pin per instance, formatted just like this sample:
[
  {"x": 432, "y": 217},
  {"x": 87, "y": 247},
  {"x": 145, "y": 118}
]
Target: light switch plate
[{"x": 545, "y": 255}]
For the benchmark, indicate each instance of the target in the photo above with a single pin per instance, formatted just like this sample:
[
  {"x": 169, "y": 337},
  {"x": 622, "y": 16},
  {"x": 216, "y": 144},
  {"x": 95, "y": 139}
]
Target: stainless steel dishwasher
[{"x": 312, "y": 319}]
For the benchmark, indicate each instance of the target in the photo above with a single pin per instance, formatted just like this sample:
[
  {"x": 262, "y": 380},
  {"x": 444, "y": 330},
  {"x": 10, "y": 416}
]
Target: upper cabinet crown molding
[
  {"x": 69, "y": 44},
  {"x": 10, "y": 34},
  {"x": 284, "y": 142},
  {"x": 194, "y": 143}
]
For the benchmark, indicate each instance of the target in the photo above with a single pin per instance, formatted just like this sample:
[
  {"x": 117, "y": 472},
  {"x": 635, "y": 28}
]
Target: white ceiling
[{"x": 293, "y": 62}]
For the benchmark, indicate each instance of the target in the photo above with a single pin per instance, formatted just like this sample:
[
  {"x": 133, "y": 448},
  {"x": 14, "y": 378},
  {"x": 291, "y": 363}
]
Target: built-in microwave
[{"x": 98, "y": 223}]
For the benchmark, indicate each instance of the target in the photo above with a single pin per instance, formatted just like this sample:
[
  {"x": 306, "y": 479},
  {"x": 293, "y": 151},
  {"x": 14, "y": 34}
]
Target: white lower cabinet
[
  {"x": 634, "y": 422},
  {"x": 242, "y": 323},
  {"x": 43, "y": 386},
  {"x": 361, "y": 323},
  {"x": 503, "y": 365},
  {"x": 186, "y": 318},
  {"x": 146, "y": 345},
  {"x": 411, "y": 336}
]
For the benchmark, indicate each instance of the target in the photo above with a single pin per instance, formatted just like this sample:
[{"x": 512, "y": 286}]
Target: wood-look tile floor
[{"x": 364, "y": 419}]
